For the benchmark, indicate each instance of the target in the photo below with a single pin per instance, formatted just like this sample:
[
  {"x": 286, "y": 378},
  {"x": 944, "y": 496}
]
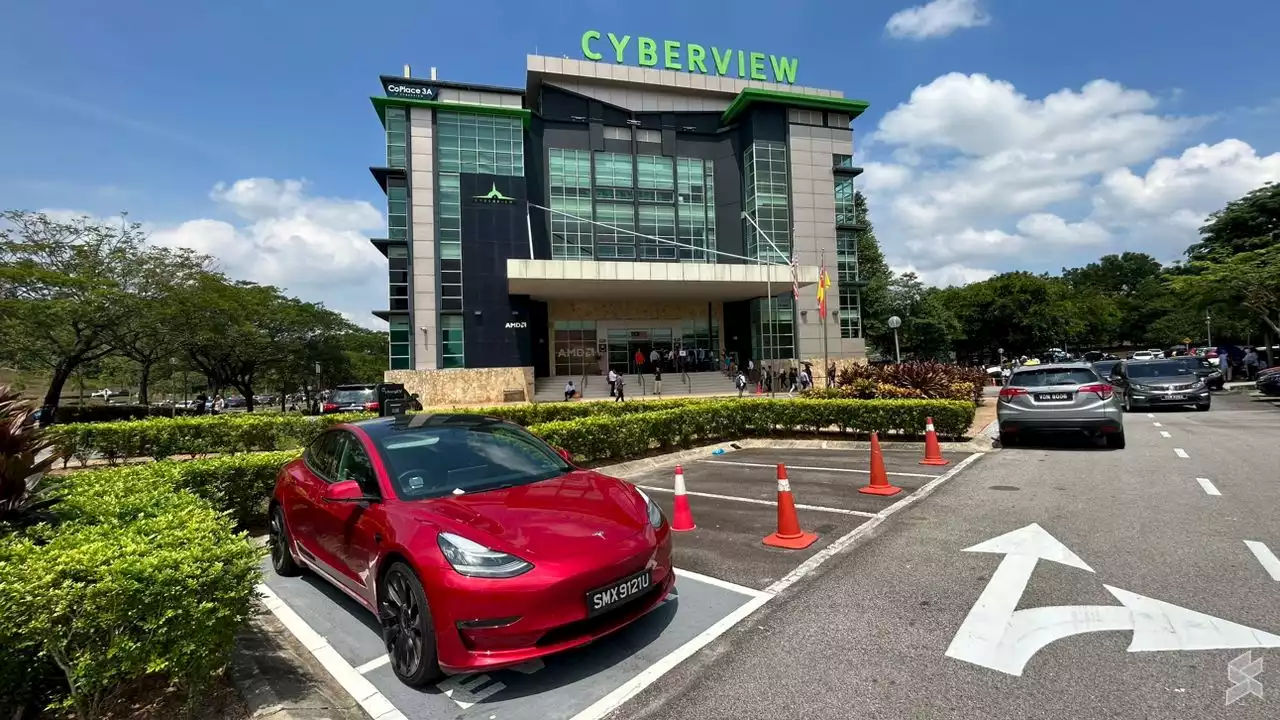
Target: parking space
[
  {"x": 576, "y": 685},
  {"x": 724, "y": 572},
  {"x": 733, "y": 498}
]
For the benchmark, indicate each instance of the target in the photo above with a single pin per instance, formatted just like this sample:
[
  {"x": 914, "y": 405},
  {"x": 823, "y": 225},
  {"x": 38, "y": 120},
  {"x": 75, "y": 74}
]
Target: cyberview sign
[
  {"x": 494, "y": 197},
  {"x": 691, "y": 57}
]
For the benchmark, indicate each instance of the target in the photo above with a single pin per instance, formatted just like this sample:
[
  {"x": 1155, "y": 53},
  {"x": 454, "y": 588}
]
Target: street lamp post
[
  {"x": 895, "y": 322},
  {"x": 773, "y": 339},
  {"x": 1208, "y": 329}
]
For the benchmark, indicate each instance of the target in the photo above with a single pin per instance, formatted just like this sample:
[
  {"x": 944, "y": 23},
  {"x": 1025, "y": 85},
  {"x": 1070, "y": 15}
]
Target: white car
[
  {"x": 1156, "y": 353},
  {"x": 1143, "y": 355}
]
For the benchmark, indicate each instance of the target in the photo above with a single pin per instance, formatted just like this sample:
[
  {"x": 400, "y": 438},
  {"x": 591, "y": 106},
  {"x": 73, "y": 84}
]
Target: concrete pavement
[{"x": 869, "y": 635}]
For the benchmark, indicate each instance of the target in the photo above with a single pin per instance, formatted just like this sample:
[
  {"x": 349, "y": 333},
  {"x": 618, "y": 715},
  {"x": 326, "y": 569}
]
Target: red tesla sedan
[{"x": 477, "y": 544}]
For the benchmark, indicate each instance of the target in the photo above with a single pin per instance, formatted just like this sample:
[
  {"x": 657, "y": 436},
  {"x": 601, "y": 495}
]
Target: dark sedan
[
  {"x": 1204, "y": 369},
  {"x": 1268, "y": 382},
  {"x": 1151, "y": 383}
]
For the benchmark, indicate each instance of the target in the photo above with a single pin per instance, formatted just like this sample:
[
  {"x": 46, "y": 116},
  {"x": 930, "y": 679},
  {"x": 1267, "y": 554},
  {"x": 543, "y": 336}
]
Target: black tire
[
  {"x": 281, "y": 557},
  {"x": 1116, "y": 442},
  {"x": 407, "y": 632},
  {"x": 1203, "y": 408},
  {"x": 1008, "y": 439}
]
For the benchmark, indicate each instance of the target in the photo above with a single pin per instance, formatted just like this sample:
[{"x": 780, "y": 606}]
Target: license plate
[
  {"x": 1053, "y": 396},
  {"x": 1176, "y": 397},
  {"x": 607, "y": 598}
]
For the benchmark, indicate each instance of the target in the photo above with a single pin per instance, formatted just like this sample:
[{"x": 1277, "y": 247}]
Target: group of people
[
  {"x": 213, "y": 406},
  {"x": 790, "y": 380}
]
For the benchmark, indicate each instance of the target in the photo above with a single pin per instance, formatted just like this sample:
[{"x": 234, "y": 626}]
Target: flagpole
[{"x": 822, "y": 308}]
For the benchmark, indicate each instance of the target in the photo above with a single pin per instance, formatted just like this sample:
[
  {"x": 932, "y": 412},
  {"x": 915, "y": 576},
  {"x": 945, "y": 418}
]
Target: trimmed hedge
[
  {"x": 628, "y": 436},
  {"x": 160, "y": 438},
  {"x": 138, "y": 579}
]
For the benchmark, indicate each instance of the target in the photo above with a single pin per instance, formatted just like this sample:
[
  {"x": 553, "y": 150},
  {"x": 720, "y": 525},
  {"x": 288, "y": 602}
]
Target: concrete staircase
[{"x": 551, "y": 389}]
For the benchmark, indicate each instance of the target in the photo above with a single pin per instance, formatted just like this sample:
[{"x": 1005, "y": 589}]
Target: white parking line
[
  {"x": 356, "y": 685},
  {"x": 373, "y": 664},
  {"x": 1157, "y": 424},
  {"x": 1181, "y": 453},
  {"x": 1269, "y": 561},
  {"x": 1209, "y": 487},
  {"x": 1165, "y": 434},
  {"x": 1150, "y": 415},
  {"x": 756, "y": 501},
  {"x": 725, "y": 584},
  {"x": 809, "y": 467}
]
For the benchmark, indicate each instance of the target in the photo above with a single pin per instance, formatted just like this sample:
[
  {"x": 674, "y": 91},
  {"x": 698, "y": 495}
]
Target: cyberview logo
[
  {"x": 1242, "y": 672},
  {"x": 493, "y": 197}
]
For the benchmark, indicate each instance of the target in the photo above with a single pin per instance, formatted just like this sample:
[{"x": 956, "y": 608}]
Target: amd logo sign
[{"x": 517, "y": 325}]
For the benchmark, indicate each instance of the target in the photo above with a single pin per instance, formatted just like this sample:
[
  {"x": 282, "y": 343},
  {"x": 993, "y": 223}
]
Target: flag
[
  {"x": 824, "y": 282},
  {"x": 795, "y": 279}
]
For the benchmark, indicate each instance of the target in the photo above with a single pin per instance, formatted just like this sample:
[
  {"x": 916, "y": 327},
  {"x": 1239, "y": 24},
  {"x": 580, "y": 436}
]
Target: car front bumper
[
  {"x": 547, "y": 610},
  {"x": 1152, "y": 399}
]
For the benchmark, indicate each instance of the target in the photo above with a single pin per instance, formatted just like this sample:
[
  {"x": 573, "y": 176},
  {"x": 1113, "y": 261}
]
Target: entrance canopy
[{"x": 601, "y": 279}]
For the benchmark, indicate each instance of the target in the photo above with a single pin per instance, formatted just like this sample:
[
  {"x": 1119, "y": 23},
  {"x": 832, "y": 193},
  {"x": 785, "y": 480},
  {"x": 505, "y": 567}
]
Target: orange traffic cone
[
  {"x": 789, "y": 535},
  {"x": 932, "y": 451},
  {"x": 681, "y": 516},
  {"x": 879, "y": 484}
]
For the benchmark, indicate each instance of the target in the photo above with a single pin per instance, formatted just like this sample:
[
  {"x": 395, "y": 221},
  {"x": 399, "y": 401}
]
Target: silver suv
[{"x": 1055, "y": 398}]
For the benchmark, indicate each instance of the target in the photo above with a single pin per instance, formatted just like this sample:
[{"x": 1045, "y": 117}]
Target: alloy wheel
[
  {"x": 279, "y": 541},
  {"x": 401, "y": 617}
]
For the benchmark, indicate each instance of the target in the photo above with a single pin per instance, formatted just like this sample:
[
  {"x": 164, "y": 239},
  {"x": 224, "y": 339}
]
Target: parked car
[
  {"x": 1142, "y": 355},
  {"x": 476, "y": 545},
  {"x": 352, "y": 398},
  {"x": 1150, "y": 383},
  {"x": 1268, "y": 382},
  {"x": 1103, "y": 368},
  {"x": 1204, "y": 369},
  {"x": 1056, "y": 398}
]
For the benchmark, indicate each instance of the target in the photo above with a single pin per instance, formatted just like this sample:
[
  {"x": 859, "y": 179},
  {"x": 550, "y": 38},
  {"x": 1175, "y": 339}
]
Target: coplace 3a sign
[
  {"x": 410, "y": 89},
  {"x": 691, "y": 57}
]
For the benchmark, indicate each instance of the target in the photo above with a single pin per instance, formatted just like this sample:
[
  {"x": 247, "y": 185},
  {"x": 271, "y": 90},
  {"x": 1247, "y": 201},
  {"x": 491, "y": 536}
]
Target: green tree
[
  {"x": 1244, "y": 225},
  {"x": 1252, "y": 278},
  {"x": 874, "y": 272},
  {"x": 61, "y": 284},
  {"x": 929, "y": 328}
]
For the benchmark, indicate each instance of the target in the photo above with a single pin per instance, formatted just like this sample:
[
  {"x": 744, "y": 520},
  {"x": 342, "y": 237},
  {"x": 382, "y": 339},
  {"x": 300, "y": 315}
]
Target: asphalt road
[{"x": 868, "y": 635}]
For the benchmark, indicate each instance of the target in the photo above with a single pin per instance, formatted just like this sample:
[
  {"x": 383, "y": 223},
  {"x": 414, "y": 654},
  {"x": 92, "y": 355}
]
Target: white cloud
[
  {"x": 984, "y": 175},
  {"x": 938, "y": 18},
  {"x": 315, "y": 247},
  {"x": 947, "y": 275}
]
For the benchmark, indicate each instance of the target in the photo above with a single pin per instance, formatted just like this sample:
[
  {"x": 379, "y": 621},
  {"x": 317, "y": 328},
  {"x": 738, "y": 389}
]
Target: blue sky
[{"x": 146, "y": 106}]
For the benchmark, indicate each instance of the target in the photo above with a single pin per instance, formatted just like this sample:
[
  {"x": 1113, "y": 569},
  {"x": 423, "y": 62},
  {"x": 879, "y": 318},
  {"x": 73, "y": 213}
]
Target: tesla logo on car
[{"x": 598, "y": 534}]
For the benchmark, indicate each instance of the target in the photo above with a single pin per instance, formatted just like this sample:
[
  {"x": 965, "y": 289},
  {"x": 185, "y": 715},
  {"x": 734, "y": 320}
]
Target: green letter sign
[{"x": 675, "y": 55}]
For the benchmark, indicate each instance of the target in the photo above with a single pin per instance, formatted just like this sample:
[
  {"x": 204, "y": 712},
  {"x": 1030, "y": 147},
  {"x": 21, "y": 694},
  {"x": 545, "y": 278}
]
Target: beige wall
[
  {"x": 472, "y": 386},
  {"x": 423, "y": 235}
]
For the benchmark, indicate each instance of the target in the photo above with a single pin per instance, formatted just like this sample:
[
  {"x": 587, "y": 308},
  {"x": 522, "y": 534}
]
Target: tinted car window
[
  {"x": 355, "y": 465},
  {"x": 322, "y": 456},
  {"x": 352, "y": 396},
  {"x": 1044, "y": 377},
  {"x": 434, "y": 461},
  {"x": 1195, "y": 363},
  {"x": 1104, "y": 368},
  {"x": 1160, "y": 369}
]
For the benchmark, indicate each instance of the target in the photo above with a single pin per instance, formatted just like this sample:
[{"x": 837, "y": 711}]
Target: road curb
[{"x": 278, "y": 680}]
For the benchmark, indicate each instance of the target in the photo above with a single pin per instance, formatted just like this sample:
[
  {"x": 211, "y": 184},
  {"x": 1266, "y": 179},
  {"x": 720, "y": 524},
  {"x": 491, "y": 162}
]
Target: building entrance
[{"x": 633, "y": 350}]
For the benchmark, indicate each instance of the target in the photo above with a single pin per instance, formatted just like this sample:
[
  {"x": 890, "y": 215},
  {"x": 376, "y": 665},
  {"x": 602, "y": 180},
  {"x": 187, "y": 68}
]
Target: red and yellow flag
[{"x": 824, "y": 282}]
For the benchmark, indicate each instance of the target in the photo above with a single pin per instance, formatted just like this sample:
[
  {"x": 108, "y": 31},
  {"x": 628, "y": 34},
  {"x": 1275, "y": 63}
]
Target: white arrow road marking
[{"x": 997, "y": 636}]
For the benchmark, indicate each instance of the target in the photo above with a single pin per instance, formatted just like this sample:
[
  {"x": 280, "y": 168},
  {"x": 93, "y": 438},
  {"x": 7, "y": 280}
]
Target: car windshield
[
  {"x": 1195, "y": 363},
  {"x": 1104, "y": 368},
  {"x": 1160, "y": 369},
  {"x": 1045, "y": 377},
  {"x": 426, "y": 462},
  {"x": 351, "y": 396}
]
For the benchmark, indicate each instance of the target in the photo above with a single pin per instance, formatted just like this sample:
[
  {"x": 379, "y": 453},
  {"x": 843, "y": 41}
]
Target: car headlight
[
  {"x": 1197, "y": 384},
  {"x": 475, "y": 560},
  {"x": 1140, "y": 387},
  {"x": 655, "y": 512}
]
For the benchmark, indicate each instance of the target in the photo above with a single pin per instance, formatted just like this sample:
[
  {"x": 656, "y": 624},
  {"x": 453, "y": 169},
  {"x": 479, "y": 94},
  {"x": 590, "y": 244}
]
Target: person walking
[
  {"x": 1251, "y": 364},
  {"x": 741, "y": 382},
  {"x": 618, "y": 389},
  {"x": 657, "y": 380},
  {"x": 569, "y": 390},
  {"x": 613, "y": 382}
]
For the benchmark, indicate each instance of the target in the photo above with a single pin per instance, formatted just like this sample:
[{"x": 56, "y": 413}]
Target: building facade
[{"x": 604, "y": 210}]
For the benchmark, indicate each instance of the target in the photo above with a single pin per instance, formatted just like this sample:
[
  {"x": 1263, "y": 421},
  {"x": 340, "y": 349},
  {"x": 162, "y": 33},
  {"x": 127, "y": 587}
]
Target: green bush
[
  {"x": 139, "y": 579},
  {"x": 160, "y": 438},
  {"x": 628, "y": 436}
]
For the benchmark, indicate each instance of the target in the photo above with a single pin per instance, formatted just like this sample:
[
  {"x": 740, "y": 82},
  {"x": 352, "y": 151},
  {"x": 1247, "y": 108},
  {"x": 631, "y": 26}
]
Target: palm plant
[{"x": 25, "y": 457}]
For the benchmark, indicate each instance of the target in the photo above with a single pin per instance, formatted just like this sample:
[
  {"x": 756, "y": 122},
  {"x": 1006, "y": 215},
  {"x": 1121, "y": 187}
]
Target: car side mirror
[
  {"x": 568, "y": 456},
  {"x": 347, "y": 491}
]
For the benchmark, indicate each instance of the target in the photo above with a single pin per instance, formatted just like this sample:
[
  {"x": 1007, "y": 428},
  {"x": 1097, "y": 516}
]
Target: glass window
[
  {"x": 614, "y": 170},
  {"x": 451, "y": 346},
  {"x": 574, "y": 343},
  {"x": 440, "y": 458},
  {"x": 400, "y": 348},
  {"x": 570, "y": 183},
  {"x": 648, "y": 136},
  {"x": 480, "y": 144},
  {"x": 617, "y": 133},
  {"x": 657, "y": 221},
  {"x": 355, "y": 465},
  {"x": 847, "y": 280},
  {"x": 397, "y": 136},
  {"x": 773, "y": 339},
  {"x": 615, "y": 239},
  {"x": 845, "y": 214},
  {"x": 322, "y": 455},
  {"x": 765, "y": 199},
  {"x": 1048, "y": 377}
]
